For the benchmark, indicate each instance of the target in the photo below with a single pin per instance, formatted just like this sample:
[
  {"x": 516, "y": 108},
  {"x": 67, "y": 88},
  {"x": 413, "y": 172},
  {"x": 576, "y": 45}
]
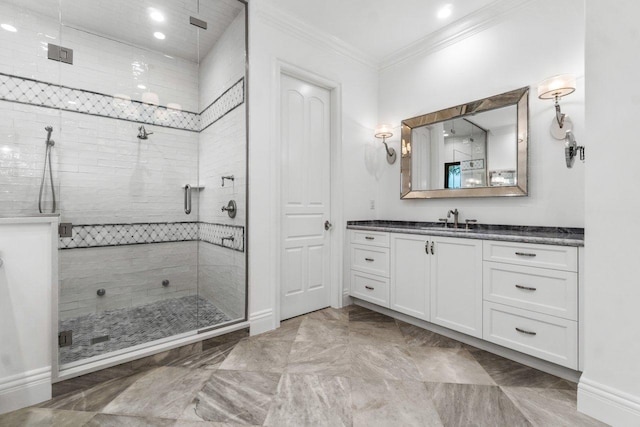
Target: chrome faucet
[{"x": 455, "y": 217}]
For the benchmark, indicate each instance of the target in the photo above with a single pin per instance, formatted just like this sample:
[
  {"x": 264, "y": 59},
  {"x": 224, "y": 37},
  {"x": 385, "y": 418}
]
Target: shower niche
[{"x": 154, "y": 98}]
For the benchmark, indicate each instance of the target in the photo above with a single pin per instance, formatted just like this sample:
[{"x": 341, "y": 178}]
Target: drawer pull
[
  {"x": 426, "y": 247},
  {"x": 525, "y": 254},
  {"x": 526, "y": 288},
  {"x": 369, "y": 259},
  {"x": 522, "y": 331},
  {"x": 369, "y": 287},
  {"x": 369, "y": 238}
]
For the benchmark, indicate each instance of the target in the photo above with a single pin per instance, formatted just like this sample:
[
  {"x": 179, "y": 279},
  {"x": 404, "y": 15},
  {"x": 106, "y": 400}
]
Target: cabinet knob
[{"x": 432, "y": 251}]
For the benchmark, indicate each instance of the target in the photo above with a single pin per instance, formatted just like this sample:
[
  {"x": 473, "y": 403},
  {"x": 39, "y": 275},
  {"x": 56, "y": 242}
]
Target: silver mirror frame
[{"x": 518, "y": 97}]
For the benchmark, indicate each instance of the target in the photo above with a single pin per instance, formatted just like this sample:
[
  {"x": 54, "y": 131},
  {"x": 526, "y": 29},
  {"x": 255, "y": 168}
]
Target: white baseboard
[
  {"x": 26, "y": 389},
  {"x": 607, "y": 404},
  {"x": 261, "y": 321}
]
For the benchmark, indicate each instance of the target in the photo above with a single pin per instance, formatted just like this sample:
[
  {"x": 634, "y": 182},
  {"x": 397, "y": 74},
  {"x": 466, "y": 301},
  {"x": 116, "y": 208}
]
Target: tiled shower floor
[{"x": 127, "y": 327}]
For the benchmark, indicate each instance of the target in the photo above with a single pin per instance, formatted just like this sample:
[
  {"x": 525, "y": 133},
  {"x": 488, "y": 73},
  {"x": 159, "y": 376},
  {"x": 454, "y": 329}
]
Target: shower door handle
[{"x": 187, "y": 199}]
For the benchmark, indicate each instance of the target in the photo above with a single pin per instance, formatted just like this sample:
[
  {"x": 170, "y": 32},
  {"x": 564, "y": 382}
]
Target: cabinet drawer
[
  {"x": 547, "y": 337},
  {"x": 370, "y": 288},
  {"x": 547, "y": 256},
  {"x": 546, "y": 291},
  {"x": 373, "y": 238},
  {"x": 370, "y": 259}
]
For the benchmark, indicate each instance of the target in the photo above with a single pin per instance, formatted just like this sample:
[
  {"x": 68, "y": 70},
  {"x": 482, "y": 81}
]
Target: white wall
[
  {"x": 610, "y": 386},
  {"x": 271, "y": 40},
  {"x": 541, "y": 39}
]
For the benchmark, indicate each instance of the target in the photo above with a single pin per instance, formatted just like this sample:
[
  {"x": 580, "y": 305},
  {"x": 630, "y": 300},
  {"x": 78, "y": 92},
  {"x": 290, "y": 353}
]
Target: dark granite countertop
[{"x": 563, "y": 236}]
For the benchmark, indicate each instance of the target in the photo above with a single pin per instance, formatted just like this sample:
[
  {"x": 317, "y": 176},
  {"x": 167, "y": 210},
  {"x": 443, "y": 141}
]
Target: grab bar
[{"x": 187, "y": 199}]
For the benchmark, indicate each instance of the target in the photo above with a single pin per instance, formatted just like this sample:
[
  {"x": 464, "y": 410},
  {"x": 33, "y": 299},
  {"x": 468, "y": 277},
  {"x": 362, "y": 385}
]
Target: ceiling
[
  {"x": 378, "y": 28},
  {"x": 129, "y": 21}
]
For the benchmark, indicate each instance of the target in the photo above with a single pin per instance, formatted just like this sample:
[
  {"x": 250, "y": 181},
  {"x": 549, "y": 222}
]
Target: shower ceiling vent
[{"x": 198, "y": 22}]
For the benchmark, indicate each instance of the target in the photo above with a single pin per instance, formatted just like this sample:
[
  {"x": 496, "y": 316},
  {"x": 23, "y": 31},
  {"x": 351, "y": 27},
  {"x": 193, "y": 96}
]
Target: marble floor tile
[
  {"x": 95, "y": 398},
  {"x": 449, "y": 365},
  {"x": 167, "y": 357},
  {"x": 391, "y": 403},
  {"x": 163, "y": 393},
  {"x": 330, "y": 314},
  {"x": 508, "y": 373},
  {"x": 418, "y": 337},
  {"x": 188, "y": 423},
  {"x": 311, "y": 400},
  {"x": 286, "y": 332},
  {"x": 210, "y": 359},
  {"x": 474, "y": 405},
  {"x": 89, "y": 380},
  {"x": 105, "y": 420},
  {"x": 234, "y": 397},
  {"x": 256, "y": 355},
  {"x": 548, "y": 407},
  {"x": 324, "y": 331},
  {"x": 230, "y": 338},
  {"x": 374, "y": 332},
  {"x": 30, "y": 417},
  {"x": 319, "y": 358},
  {"x": 382, "y": 362},
  {"x": 361, "y": 314}
]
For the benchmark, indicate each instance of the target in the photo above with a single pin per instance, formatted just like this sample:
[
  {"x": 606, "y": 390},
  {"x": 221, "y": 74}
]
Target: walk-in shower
[{"x": 138, "y": 120}]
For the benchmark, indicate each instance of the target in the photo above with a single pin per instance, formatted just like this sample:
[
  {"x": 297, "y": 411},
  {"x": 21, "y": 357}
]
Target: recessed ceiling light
[
  {"x": 156, "y": 15},
  {"x": 9, "y": 28},
  {"x": 159, "y": 35},
  {"x": 445, "y": 11},
  {"x": 143, "y": 87}
]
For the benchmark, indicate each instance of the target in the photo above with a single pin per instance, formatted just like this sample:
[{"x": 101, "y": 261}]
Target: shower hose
[{"x": 47, "y": 158}]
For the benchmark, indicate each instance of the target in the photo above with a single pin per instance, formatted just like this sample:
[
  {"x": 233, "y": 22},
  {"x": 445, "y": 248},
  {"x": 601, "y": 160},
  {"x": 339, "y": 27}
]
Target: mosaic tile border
[
  {"x": 39, "y": 93},
  {"x": 103, "y": 235},
  {"x": 230, "y": 99}
]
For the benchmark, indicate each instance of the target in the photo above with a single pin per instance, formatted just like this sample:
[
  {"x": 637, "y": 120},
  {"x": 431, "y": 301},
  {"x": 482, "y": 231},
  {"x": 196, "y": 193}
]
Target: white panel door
[
  {"x": 305, "y": 188},
  {"x": 456, "y": 285},
  {"x": 410, "y": 267}
]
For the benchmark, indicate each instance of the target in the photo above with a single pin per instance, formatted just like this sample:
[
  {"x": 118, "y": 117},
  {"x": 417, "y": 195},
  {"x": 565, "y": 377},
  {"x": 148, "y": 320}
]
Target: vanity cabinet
[
  {"x": 531, "y": 299},
  {"x": 521, "y": 296}
]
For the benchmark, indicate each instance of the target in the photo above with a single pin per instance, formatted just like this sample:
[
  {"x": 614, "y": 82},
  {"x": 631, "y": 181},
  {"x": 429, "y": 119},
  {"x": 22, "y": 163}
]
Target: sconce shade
[
  {"x": 557, "y": 86},
  {"x": 383, "y": 131}
]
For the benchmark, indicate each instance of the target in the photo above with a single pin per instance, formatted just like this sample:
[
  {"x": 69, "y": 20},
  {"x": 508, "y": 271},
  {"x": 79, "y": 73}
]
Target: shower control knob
[
  {"x": 165, "y": 283},
  {"x": 101, "y": 292}
]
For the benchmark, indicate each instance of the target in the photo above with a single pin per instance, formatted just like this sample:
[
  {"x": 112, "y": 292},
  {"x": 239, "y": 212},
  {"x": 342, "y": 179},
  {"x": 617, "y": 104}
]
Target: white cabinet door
[
  {"x": 410, "y": 275},
  {"x": 456, "y": 285}
]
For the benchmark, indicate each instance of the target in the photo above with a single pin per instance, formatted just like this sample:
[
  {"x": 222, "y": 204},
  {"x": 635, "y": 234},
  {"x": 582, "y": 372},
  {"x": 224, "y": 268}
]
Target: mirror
[{"x": 478, "y": 149}]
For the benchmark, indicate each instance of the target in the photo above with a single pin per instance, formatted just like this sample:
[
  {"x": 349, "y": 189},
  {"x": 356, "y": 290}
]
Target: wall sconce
[
  {"x": 384, "y": 132},
  {"x": 555, "y": 88}
]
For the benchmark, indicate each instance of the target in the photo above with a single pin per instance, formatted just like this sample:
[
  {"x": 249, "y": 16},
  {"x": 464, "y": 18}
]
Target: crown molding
[
  {"x": 455, "y": 32},
  {"x": 282, "y": 20}
]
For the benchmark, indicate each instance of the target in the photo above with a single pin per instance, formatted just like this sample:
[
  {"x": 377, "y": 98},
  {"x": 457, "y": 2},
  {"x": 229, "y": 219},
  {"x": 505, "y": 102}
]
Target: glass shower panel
[
  {"x": 130, "y": 134},
  {"x": 28, "y": 105},
  {"x": 222, "y": 163}
]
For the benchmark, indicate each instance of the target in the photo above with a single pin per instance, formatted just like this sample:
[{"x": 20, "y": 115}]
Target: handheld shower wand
[{"x": 47, "y": 158}]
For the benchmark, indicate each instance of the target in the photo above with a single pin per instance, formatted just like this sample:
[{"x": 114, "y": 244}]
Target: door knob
[{"x": 327, "y": 225}]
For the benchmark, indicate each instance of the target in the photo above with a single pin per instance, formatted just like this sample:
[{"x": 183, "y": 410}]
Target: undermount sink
[{"x": 447, "y": 229}]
